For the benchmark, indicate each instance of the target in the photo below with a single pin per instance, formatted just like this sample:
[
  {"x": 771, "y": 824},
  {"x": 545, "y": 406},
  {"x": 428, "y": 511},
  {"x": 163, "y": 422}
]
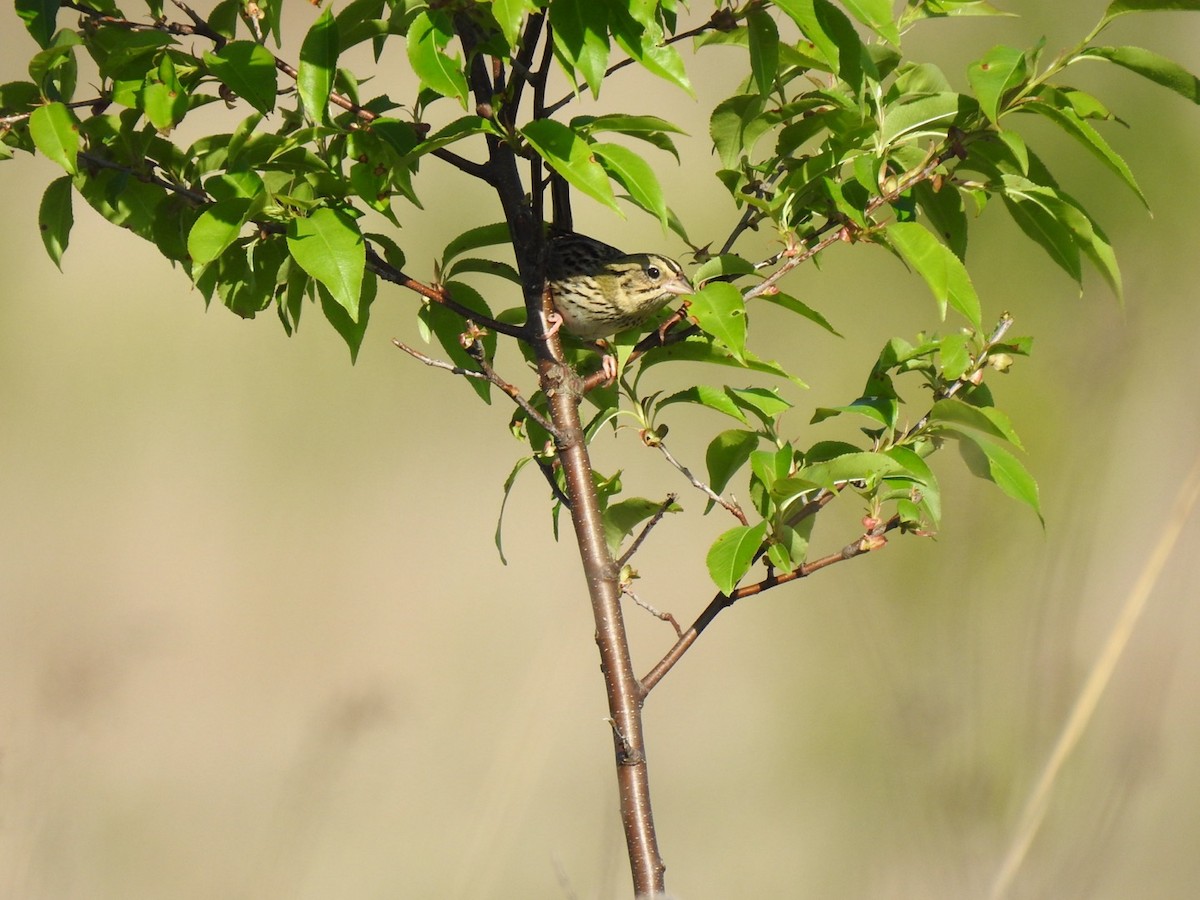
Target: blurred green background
[{"x": 255, "y": 640}]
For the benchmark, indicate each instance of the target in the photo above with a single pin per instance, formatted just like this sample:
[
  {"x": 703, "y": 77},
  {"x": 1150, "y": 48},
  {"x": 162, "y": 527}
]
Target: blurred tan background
[{"x": 255, "y": 641}]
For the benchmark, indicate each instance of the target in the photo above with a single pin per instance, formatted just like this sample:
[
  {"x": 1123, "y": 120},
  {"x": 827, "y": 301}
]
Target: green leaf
[
  {"x": 330, "y": 248},
  {"x": 993, "y": 462},
  {"x": 1052, "y": 218},
  {"x": 928, "y": 114},
  {"x": 217, "y": 228},
  {"x": 764, "y": 49},
  {"x": 509, "y": 15},
  {"x": 1070, "y": 122},
  {"x": 571, "y": 157},
  {"x": 832, "y": 34},
  {"x": 763, "y": 402},
  {"x": 792, "y": 304},
  {"x": 247, "y": 69},
  {"x": 703, "y": 348},
  {"x": 719, "y": 310},
  {"x": 40, "y": 18},
  {"x": 876, "y": 15},
  {"x": 621, "y": 518},
  {"x": 1149, "y": 65},
  {"x": 428, "y": 36},
  {"x": 642, "y": 38},
  {"x": 735, "y": 125},
  {"x": 474, "y": 239},
  {"x": 730, "y": 557},
  {"x": 351, "y": 328},
  {"x": 727, "y": 453},
  {"x": 941, "y": 269},
  {"x": 56, "y": 135},
  {"x": 703, "y": 395},
  {"x": 55, "y": 218},
  {"x": 508, "y": 486},
  {"x": 1123, "y": 7},
  {"x": 725, "y": 264},
  {"x": 999, "y": 71},
  {"x": 318, "y": 65},
  {"x": 635, "y": 175},
  {"x": 956, "y": 414},
  {"x": 580, "y": 29}
]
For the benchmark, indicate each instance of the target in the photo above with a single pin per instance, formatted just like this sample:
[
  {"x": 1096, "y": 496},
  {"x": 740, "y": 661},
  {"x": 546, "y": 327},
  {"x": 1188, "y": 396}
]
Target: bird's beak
[{"x": 679, "y": 286}]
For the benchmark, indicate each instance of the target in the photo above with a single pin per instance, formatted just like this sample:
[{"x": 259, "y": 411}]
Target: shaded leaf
[
  {"x": 55, "y": 218},
  {"x": 1150, "y": 65},
  {"x": 247, "y": 69},
  {"x": 726, "y": 454}
]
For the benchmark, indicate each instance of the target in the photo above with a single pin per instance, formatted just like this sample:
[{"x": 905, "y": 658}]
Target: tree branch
[{"x": 871, "y": 540}]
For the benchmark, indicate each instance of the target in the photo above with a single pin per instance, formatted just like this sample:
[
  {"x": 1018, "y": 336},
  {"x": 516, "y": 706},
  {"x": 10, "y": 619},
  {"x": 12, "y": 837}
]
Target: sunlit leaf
[{"x": 730, "y": 557}]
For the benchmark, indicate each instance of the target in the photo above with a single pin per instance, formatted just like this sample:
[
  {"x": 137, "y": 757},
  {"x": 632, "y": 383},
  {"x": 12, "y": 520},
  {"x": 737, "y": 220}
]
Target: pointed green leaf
[
  {"x": 508, "y": 486},
  {"x": 792, "y": 304},
  {"x": 247, "y": 69},
  {"x": 1123, "y": 7},
  {"x": 330, "y": 248},
  {"x": 954, "y": 413},
  {"x": 1082, "y": 131},
  {"x": 941, "y": 269},
  {"x": 635, "y": 175},
  {"x": 474, "y": 239},
  {"x": 40, "y": 18},
  {"x": 730, "y": 557},
  {"x": 1149, "y": 65},
  {"x": 428, "y": 36},
  {"x": 571, "y": 157},
  {"x": 318, "y": 66},
  {"x": 993, "y": 462},
  {"x": 56, "y": 135},
  {"x": 703, "y": 395},
  {"x": 55, "y": 218},
  {"x": 509, "y": 15},
  {"x": 580, "y": 30},
  {"x": 764, "y": 49}
]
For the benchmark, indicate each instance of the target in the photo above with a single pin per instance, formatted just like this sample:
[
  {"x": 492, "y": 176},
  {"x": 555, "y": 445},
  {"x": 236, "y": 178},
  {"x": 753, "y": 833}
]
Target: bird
[{"x": 599, "y": 290}]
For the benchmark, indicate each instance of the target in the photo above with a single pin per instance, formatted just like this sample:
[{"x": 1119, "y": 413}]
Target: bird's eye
[{"x": 653, "y": 272}]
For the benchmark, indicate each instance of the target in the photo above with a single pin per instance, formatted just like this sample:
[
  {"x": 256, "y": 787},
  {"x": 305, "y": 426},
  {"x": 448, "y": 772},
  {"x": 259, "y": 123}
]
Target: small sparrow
[{"x": 598, "y": 290}]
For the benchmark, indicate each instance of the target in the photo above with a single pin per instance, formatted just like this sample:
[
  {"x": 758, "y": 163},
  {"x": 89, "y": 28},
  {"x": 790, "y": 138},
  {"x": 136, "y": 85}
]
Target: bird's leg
[
  {"x": 680, "y": 315},
  {"x": 608, "y": 364},
  {"x": 551, "y": 322}
]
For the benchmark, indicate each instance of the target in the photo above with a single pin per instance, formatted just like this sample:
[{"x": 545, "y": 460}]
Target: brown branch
[
  {"x": 873, "y": 539},
  {"x": 439, "y": 294},
  {"x": 658, "y": 614}
]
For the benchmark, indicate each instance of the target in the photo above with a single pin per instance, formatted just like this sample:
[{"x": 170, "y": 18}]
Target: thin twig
[
  {"x": 872, "y": 540},
  {"x": 475, "y": 350},
  {"x": 731, "y": 505},
  {"x": 664, "y": 616},
  {"x": 663, "y": 509},
  {"x": 438, "y": 363},
  {"x": 439, "y": 294}
]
